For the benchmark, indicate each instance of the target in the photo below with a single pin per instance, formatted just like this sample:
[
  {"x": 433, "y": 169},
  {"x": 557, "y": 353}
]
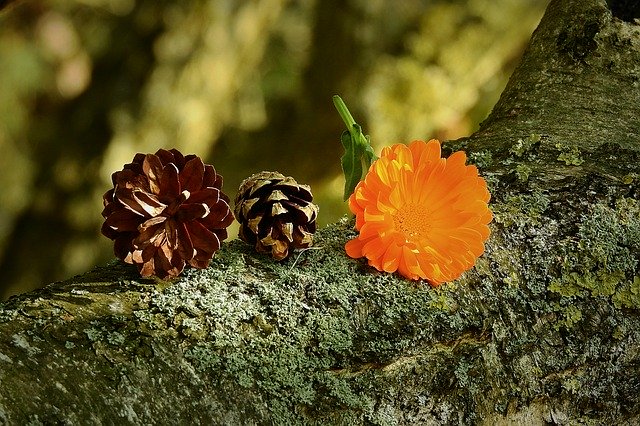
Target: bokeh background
[{"x": 245, "y": 84}]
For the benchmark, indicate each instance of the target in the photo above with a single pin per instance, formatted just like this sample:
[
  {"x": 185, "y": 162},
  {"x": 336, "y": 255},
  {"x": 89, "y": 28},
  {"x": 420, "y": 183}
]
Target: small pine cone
[
  {"x": 164, "y": 211},
  {"x": 275, "y": 213}
]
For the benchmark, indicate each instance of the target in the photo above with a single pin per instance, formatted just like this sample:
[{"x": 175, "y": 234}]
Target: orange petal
[
  {"x": 404, "y": 156},
  {"x": 374, "y": 229},
  {"x": 391, "y": 258},
  {"x": 374, "y": 248},
  {"x": 409, "y": 266},
  {"x": 354, "y": 248}
]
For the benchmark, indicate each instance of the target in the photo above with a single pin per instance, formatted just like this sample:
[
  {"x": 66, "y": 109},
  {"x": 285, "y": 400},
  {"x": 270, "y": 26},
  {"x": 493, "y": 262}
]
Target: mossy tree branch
[{"x": 545, "y": 328}]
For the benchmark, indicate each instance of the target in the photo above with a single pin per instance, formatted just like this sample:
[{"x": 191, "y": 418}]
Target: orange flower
[{"x": 419, "y": 214}]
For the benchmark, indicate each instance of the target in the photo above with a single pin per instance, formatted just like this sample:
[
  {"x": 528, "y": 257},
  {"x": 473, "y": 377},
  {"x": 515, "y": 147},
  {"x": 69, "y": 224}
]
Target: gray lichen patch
[
  {"x": 5, "y": 358},
  {"x": 281, "y": 329},
  {"x": 22, "y": 341}
]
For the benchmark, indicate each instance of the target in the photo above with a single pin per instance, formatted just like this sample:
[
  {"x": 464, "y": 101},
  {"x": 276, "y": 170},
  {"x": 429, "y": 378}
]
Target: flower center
[{"x": 412, "y": 220}]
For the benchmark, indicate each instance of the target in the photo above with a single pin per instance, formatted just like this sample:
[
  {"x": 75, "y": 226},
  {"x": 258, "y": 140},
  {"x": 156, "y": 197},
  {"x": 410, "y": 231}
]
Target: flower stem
[
  {"x": 355, "y": 130},
  {"x": 344, "y": 112},
  {"x": 357, "y": 149}
]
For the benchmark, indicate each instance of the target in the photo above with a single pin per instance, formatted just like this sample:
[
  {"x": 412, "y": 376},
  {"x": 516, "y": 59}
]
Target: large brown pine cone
[
  {"x": 166, "y": 210},
  {"x": 275, "y": 213}
]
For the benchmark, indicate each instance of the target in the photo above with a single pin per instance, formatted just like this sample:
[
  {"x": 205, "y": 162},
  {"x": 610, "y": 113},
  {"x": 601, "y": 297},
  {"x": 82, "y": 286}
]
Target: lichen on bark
[{"x": 320, "y": 338}]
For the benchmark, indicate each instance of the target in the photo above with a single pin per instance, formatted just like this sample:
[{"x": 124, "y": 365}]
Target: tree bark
[{"x": 546, "y": 328}]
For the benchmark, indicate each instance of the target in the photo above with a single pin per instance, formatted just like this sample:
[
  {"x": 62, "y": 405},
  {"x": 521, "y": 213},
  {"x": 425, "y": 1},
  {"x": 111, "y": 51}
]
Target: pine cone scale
[
  {"x": 163, "y": 260},
  {"x": 209, "y": 196},
  {"x": 149, "y": 202},
  {"x": 167, "y": 157},
  {"x": 278, "y": 209},
  {"x": 277, "y": 195},
  {"x": 211, "y": 178},
  {"x": 174, "y": 205},
  {"x": 122, "y": 221},
  {"x": 152, "y": 167},
  {"x": 252, "y": 224},
  {"x": 202, "y": 239},
  {"x": 192, "y": 176},
  {"x": 169, "y": 185},
  {"x": 122, "y": 177},
  {"x": 287, "y": 231},
  {"x": 219, "y": 217},
  {"x": 171, "y": 235},
  {"x": 150, "y": 223},
  {"x": 186, "y": 245},
  {"x": 309, "y": 210},
  {"x": 149, "y": 236},
  {"x": 246, "y": 206},
  {"x": 148, "y": 267},
  {"x": 140, "y": 202},
  {"x": 306, "y": 237},
  {"x": 278, "y": 248},
  {"x": 121, "y": 244},
  {"x": 192, "y": 211}
]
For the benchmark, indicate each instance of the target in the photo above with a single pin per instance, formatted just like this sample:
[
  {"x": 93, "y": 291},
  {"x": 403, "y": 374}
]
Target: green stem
[
  {"x": 356, "y": 132},
  {"x": 357, "y": 149},
  {"x": 344, "y": 112}
]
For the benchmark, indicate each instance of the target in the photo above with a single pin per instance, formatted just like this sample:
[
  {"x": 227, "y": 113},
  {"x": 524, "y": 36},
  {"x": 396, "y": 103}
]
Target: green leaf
[
  {"x": 370, "y": 156},
  {"x": 351, "y": 164},
  {"x": 357, "y": 149}
]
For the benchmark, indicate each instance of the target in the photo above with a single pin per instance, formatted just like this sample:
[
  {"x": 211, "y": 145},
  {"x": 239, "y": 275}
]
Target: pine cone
[
  {"x": 275, "y": 213},
  {"x": 164, "y": 211}
]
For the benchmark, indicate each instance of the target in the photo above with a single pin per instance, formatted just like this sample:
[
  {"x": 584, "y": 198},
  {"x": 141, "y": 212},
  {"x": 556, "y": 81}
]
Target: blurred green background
[{"x": 247, "y": 85}]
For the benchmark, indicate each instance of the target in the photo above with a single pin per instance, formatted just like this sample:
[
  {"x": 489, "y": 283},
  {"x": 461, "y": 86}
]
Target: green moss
[
  {"x": 566, "y": 287},
  {"x": 630, "y": 178},
  {"x": 115, "y": 338},
  {"x": 442, "y": 302},
  {"x": 603, "y": 260},
  {"x": 522, "y": 172},
  {"x": 93, "y": 334},
  {"x": 569, "y": 154},
  {"x": 24, "y": 341},
  {"x": 482, "y": 159},
  {"x": 569, "y": 315},
  {"x": 572, "y": 385},
  {"x": 521, "y": 210},
  {"x": 523, "y": 146},
  {"x": 628, "y": 294},
  {"x": 7, "y": 315},
  {"x": 585, "y": 283}
]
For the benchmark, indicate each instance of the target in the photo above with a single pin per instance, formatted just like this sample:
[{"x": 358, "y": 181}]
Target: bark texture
[{"x": 546, "y": 328}]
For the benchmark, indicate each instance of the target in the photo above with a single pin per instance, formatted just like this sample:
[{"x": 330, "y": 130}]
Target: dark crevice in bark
[{"x": 627, "y": 10}]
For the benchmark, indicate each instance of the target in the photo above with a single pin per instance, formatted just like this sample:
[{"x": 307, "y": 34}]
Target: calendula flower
[{"x": 419, "y": 214}]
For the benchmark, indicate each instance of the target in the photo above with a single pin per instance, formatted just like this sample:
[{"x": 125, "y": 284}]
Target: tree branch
[{"x": 546, "y": 328}]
